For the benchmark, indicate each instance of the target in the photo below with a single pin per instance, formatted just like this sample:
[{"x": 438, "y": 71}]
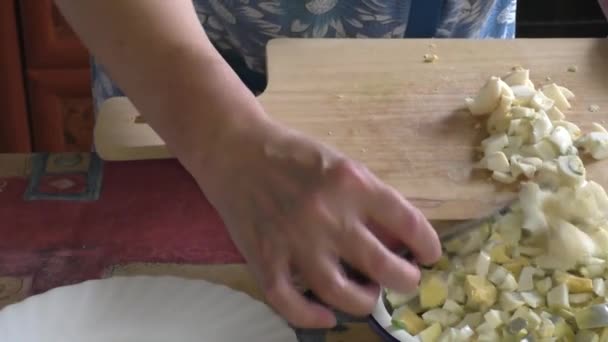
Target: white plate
[{"x": 142, "y": 309}]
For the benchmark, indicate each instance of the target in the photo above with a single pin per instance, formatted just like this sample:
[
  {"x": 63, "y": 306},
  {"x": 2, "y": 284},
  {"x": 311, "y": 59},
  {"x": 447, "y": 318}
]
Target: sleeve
[{"x": 102, "y": 87}]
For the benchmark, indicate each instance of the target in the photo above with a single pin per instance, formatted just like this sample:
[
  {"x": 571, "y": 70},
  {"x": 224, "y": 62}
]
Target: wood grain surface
[{"x": 380, "y": 103}]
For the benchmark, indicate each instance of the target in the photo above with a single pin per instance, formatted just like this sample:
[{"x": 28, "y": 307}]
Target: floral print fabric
[{"x": 244, "y": 27}]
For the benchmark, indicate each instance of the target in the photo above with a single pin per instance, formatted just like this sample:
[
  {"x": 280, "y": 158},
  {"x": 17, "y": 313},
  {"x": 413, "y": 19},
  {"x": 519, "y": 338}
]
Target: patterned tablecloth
[{"x": 68, "y": 218}]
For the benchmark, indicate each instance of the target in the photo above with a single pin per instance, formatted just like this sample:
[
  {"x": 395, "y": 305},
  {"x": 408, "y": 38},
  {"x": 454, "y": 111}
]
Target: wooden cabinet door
[
  {"x": 61, "y": 109},
  {"x": 48, "y": 39},
  {"x": 58, "y": 80},
  {"x": 14, "y": 125}
]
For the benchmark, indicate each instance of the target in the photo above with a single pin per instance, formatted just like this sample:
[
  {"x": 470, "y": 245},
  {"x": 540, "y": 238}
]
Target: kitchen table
[{"x": 66, "y": 218}]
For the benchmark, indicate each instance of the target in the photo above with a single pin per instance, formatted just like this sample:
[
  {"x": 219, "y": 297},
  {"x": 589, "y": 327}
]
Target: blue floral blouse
[{"x": 240, "y": 29}]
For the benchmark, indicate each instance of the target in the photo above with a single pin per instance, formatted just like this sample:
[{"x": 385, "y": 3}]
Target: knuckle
[
  {"x": 335, "y": 288},
  {"x": 351, "y": 174},
  {"x": 415, "y": 224},
  {"x": 414, "y": 279},
  {"x": 379, "y": 262},
  {"x": 316, "y": 208},
  {"x": 316, "y": 203},
  {"x": 395, "y": 199},
  {"x": 411, "y": 218},
  {"x": 274, "y": 294}
]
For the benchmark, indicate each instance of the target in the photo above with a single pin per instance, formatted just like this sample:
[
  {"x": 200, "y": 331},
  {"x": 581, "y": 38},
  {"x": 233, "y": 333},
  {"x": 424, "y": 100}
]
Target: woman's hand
[{"x": 294, "y": 206}]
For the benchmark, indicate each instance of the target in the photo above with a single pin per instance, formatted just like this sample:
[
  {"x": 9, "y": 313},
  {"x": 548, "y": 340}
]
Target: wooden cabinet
[
  {"x": 58, "y": 80},
  {"x": 60, "y": 109},
  {"x": 14, "y": 123},
  {"x": 53, "y": 69},
  {"x": 48, "y": 40}
]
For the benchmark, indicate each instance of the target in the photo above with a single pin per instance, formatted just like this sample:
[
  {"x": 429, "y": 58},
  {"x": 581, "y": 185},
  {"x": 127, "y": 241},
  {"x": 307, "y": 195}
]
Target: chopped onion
[
  {"x": 488, "y": 97},
  {"x": 595, "y": 316},
  {"x": 531, "y": 199},
  {"x": 495, "y": 143},
  {"x": 547, "y": 328},
  {"x": 441, "y": 316},
  {"x": 495, "y": 318},
  {"x": 568, "y": 243},
  {"x": 483, "y": 264},
  {"x": 555, "y": 114},
  {"x": 509, "y": 284},
  {"x": 510, "y": 301},
  {"x": 526, "y": 279},
  {"x": 498, "y": 275},
  {"x": 553, "y": 92},
  {"x": 472, "y": 320},
  {"x": 531, "y": 317},
  {"x": 558, "y": 297},
  {"x": 519, "y": 76},
  {"x": 599, "y": 287},
  {"x": 580, "y": 298},
  {"x": 541, "y": 126},
  {"x": 574, "y": 130},
  {"x": 533, "y": 299},
  {"x": 540, "y": 101},
  {"x": 561, "y": 138},
  {"x": 543, "y": 286},
  {"x": 596, "y": 127}
]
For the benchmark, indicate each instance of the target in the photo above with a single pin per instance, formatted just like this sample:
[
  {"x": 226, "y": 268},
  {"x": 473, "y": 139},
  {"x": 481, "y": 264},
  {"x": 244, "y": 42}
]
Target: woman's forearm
[{"x": 158, "y": 53}]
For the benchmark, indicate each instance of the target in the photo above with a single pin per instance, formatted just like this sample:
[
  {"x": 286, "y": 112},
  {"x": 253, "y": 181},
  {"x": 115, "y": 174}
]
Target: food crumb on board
[
  {"x": 340, "y": 96},
  {"x": 573, "y": 68},
  {"x": 594, "y": 108},
  {"x": 548, "y": 78},
  {"x": 139, "y": 119},
  {"x": 430, "y": 58},
  {"x": 363, "y": 149},
  {"x": 330, "y": 133}
]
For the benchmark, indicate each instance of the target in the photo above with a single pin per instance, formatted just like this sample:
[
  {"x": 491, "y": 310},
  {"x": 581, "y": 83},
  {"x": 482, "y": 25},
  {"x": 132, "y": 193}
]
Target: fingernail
[{"x": 330, "y": 321}]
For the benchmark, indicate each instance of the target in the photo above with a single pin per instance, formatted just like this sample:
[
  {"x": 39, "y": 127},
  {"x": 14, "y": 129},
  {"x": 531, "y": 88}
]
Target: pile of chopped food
[{"x": 537, "y": 273}]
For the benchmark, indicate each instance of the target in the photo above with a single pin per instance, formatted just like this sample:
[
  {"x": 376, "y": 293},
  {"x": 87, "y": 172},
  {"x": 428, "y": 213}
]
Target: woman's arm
[
  {"x": 291, "y": 204},
  {"x": 158, "y": 53}
]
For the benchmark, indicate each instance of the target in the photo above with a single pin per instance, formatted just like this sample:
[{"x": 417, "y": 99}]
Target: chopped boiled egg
[
  {"x": 433, "y": 290},
  {"x": 406, "y": 319},
  {"x": 540, "y": 271},
  {"x": 480, "y": 292}
]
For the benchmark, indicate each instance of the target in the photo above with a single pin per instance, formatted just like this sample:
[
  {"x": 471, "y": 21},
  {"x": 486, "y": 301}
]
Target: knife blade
[{"x": 464, "y": 227}]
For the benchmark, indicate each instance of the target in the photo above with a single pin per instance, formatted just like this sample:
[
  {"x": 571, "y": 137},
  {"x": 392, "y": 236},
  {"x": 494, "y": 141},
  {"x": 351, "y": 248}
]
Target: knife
[{"x": 467, "y": 226}]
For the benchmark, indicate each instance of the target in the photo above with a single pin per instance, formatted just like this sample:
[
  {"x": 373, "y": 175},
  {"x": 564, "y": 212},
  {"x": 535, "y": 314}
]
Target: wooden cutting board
[{"x": 379, "y": 102}]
